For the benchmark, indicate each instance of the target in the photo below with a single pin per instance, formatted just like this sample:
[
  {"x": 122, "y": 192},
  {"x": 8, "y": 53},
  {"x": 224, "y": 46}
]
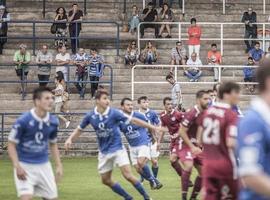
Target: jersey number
[{"x": 211, "y": 131}]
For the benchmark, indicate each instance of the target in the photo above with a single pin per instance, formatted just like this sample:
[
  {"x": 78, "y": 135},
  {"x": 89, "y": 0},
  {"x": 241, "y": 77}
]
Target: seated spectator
[
  {"x": 4, "y": 18},
  {"x": 149, "y": 54},
  {"x": 256, "y": 53},
  {"x": 249, "y": 74},
  {"x": 193, "y": 72},
  {"x": 95, "y": 70},
  {"x": 132, "y": 54},
  {"x": 194, "y": 38},
  {"x": 180, "y": 3},
  {"x": 134, "y": 19},
  {"x": 63, "y": 60},
  {"x": 149, "y": 15},
  {"x": 166, "y": 16},
  {"x": 44, "y": 60},
  {"x": 179, "y": 54},
  {"x": 80, "y": 60},
  {"x": 22, "y": 59},
  {"x": 214, "y": 58},
  {"x": 160, "y": 3},
  {"x": 61, "y": 28}
]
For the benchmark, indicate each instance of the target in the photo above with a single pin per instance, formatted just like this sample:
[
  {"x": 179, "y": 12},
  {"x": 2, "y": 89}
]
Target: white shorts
[
  {"x": 138, "y": 152},
  {"x": 40, "y": 181},
  {"x": 106, "y": 162},
  {"x": 153, "y": 150}
]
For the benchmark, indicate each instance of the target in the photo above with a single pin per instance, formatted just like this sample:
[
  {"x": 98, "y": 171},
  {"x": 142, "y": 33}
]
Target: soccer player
[
  {"x": 254, "y": 141},
  {"x": 153, "y": 119},
  {"x": 30, "y": 139},
  {"x": 106, "y": 122},
  {"x": 138, "y": 140},
  {"x": 218, "y": 131},
  {"x": 188, "y": 132}
]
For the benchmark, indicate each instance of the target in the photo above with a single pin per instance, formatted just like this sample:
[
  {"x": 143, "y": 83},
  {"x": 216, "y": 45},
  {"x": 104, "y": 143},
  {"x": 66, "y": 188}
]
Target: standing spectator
[
  {"x": 60, "y": 97},
  {"x": 61, "y": 27},
  {"x": 214, "y": 58},
  {"x": 194, "y": 38},
  {"x": 179, "y": 54},
  {"x": 95, "y": 71},
  {"x": 134, "y": 19},
  {"x": 75, "y": 16},
  {"x": 249, "y": 18},
  {"x": 80, "y": 60},
  {"x": 249, "y": 74},
  {"x": 149, "y": 15},
  {"x": 4, "y": 18},
  {"x": 193, "y": 72},
  {"x": 176, "y": 93},
  {"x": 166, "y": 15},
  {"x": 149, "y": 54},
  {"x": 44, "y": 60},
  {"x": 22, "y": 59},
  {"x": 132, "y": 54},
  {"x": 160, "y": 3},
  {"x": 63, "y": 60},
  {"x": 180, "y": 2},
  {"x": 256, "y": 53}
]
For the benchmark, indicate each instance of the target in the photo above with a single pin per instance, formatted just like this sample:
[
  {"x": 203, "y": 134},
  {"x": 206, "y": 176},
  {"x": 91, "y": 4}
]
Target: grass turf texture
[{"x": 81, "y": 181}]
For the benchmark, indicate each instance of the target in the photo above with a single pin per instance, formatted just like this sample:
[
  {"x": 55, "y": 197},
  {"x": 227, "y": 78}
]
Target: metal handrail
[{"x": 220, "y": 70}]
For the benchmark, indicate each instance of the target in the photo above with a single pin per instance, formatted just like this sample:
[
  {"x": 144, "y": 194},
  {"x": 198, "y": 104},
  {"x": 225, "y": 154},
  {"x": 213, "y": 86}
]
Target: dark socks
[
  {"x": 177, "y": 167},
  {"x": 185, "y": 183},
  {"x": 119, "y": 190},
  {"x": 141, "y": 190},
  {"x": 197, "y": 187},
  {"x": 155, "y": 171}
]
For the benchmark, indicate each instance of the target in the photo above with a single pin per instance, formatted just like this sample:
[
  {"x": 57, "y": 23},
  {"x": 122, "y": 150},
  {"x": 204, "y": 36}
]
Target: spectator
[
  {"x": 80, "y": 60},
  {"x": 134, "y": 19},
  {"x": 166, "y": 16},
  {"x": 22, "y": 59},
  {"x": 95, "y": 71},
  {"x": 149, "y": 15},
  {"x": 75, "y": 15},
  {"x": 176, "y": 93},
  {"x": 180, "y": 2},
  {"x": 214, "y": 58},
  {"x": 193, "y": 72},
  {"x": 256, "y": 53},
  {"x": 132, "y": 54},
  {"x": 249, "y": 74},
  {"x": 160, "y": 3},
  {"x": 63, "y": 60},
  {"x": 179, "y": 54},
  {"x": 249, "y": 18},
  {"x": 194, "y": 38},
  {"x": 149, "y": 54},
  {"x": 4, "y": 18},
  {"x": 61, "y": 28},
  {"x": 61, "y": 96},
  {"x": 44, "y": 60}
]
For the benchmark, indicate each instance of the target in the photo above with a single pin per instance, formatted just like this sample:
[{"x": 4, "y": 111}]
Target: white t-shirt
[
  {"x": 59, "y": 90},
  {"x": 175, "y": 89},
  {"x": 61, "y": 57},
  {"x": 196, "y": 63}
]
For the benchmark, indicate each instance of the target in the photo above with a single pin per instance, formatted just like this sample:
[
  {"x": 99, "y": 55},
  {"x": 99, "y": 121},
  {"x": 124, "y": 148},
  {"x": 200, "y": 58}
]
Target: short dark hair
[
  {"x": 150, "y": 4},
  {"x": 169, "y": 76},
  {"x": 75, "y": 4},
  {"x": 100, "y": 93},
  {"x": 166, "y": 99},
  {"x": 193, "y": 20},
  {"x": 39, "y": 91},
  {"x": 200, "y": 94},
  {"x": 250, "y": 58},
  {"x": 214, "y": 45},
  {"x": 257, "y": 42},
  {"x": 178, "y": 42},
  {"x": 263, "y": 73},
  {"x": 124, "y": 100},
  {"x": 215, "y": 87},
  {"x": 227, "y": 88},
  {"x": 142, "y": 98},
  {"x": 93, "y": 49},
  {"x": 209, "y": 91}
]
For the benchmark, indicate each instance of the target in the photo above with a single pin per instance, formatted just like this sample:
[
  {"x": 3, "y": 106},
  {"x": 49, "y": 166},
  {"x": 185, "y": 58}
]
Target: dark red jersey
[{"x": 219, "y": 123}]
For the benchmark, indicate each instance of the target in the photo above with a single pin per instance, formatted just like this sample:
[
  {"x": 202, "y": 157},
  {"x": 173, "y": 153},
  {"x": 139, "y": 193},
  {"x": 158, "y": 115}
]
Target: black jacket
[{"x": 251, "y": 18}]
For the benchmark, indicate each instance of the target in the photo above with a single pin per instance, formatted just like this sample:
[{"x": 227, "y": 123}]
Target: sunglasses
[{"x": 133, "y": 44}]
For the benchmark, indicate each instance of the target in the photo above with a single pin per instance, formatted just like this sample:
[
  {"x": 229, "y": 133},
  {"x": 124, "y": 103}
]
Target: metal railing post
[
  {"x": 34, "y": 38},
  {"x": 132, "y": 82},
  {"x": 175, "y": 73},
  {"x": 143, "y": 4},
  {"x": 179, "y": 31},
  {"x": 68, "y": 79},
  {"x": 264, "y": 7},
  {"x": 76, "y": 36},
  {"x": 125, "y": 6},
  {"x": 138, "y": 36},
  {"x": 84, "y": 7},
  {"x": 111, "y": 84},
  {"x": 43, "y": 8},
  {"x": 23, "y": 84},
  {"x": 2, "y": 130},
  {"x": 219, "y": 73},
  {"x": 224, "y": 7},
  {"x": 263, "y": 42},
  {"x": 221, "y": 38},
  {"x": 183, "y": 6},
  {"x": 118, "y": 40}
]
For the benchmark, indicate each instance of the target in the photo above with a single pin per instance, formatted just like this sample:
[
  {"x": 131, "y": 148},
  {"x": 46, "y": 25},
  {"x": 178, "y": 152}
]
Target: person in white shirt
[
  {"x": 62, "y": 60},
  {"x": 176, "y": 93},
  {"x": 193, "y": 72}
]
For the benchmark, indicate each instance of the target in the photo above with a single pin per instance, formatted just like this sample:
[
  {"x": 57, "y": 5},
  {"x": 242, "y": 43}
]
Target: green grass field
[{"x": 81, "y": 182}]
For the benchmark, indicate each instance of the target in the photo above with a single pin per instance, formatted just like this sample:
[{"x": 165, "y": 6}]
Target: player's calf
[{"x": 26, "y": 197}]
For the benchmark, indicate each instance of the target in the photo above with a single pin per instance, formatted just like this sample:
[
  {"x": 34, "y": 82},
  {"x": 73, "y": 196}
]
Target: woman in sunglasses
[{"x": 132, "y": 54}]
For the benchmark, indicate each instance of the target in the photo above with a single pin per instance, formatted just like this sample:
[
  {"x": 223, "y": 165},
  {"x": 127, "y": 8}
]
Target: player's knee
[
  {"x": 129, "y": 177},
  {"x": 173, "y": 159},
  {"x": 107, "y": 182},
  {"x": 154, "y": 162}
]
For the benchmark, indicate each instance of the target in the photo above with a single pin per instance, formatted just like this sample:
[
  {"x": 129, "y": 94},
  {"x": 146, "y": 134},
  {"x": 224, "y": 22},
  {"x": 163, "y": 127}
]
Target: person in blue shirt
[
  {"x": 106, "y": 122},
  {"x": 254, "y": 142},
  {"x": 138, "y": 140},
  {"x": 152, "y": 118},
  {"x": 256, "y": 53},
  {"x": 31, "y": 137}
]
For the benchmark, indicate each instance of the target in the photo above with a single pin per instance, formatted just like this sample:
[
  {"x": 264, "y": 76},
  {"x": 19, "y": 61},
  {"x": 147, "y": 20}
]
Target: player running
[
  {"x": 153, "y": 119},
  {"x": 106, "y": 121},
  {"x": 138, "y": 140},
  {"x": 254, "y": 141},
  {"x": 188, "y": 132},
  {"x": 30, "y": 139},
  {"x": 218, "y": 131}
]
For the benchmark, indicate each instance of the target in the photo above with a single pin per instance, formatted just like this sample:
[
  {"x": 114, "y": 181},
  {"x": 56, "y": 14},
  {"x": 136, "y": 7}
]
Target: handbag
[
  {"x": 53, "y": 28},
  {"x": 65, "y": 96}
]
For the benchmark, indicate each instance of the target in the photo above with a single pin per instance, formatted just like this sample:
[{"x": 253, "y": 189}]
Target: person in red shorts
[
  {"x": 218, "y": 131},
  {"x": 190, "y": 153}
]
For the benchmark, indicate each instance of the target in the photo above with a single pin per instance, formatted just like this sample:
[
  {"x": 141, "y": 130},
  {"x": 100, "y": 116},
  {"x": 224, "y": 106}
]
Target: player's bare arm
[
  {"x": 58, "y": 164},
  {"x": 260, "y": 183},
  {"x": 199, "y": 135},
  {"x": 183, "y": 134},
  {"x": 141, "y": 123},
  {"x": 75, "y": 134}
]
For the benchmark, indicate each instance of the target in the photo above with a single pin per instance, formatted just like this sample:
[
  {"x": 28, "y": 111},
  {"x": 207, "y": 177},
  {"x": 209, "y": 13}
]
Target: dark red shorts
[
  {"x": 174, "y": 147},
  {"x": 219, "y": 189},
  {"x": 185, "y": 154}
]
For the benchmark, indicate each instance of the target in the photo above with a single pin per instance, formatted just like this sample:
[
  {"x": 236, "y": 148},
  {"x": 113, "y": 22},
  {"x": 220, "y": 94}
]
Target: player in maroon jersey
[
  {"x": 190, "y": 154},
  {"x": 218, "y": 133}
]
